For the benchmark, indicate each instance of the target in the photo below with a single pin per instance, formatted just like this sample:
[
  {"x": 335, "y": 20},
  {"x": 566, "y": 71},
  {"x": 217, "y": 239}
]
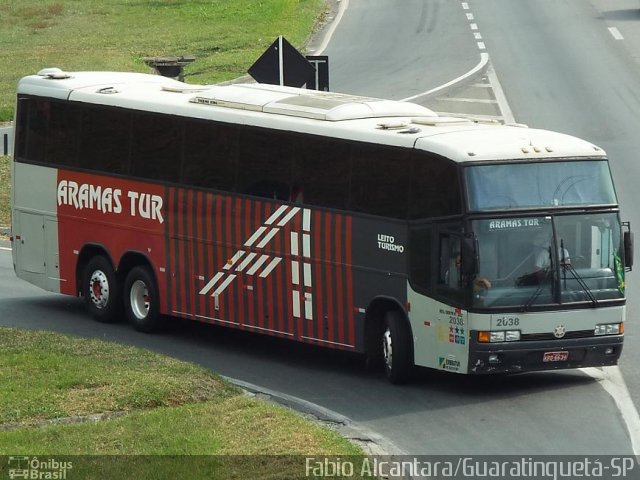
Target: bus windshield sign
[{"x": 539, "y": 185}]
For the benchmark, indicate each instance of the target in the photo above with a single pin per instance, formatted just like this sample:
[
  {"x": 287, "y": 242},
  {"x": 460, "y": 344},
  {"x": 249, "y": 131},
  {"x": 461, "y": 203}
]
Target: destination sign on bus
[{"x": 514, "y": 223}]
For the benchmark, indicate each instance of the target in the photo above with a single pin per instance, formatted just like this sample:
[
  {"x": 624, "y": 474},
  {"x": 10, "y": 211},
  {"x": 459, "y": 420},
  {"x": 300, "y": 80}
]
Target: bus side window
[
  {"x": 210, "y": 152},
  {"x": 379, "y": 181},
  {"x": 321, "y": 170},
  {"x": 156, "y": 145},
  {"x": 104, "y": 139},
  {"x": 449, "y": 261},
  {"x": 62, "y": 136},
  {"x": 39, "y": 117},
  {"x": 265, "y": 163}
]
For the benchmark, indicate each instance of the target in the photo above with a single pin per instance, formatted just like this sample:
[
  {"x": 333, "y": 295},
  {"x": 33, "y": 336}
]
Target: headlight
[
  {"x": 609, "y": 329},
  {"x": 512, "y": 335},
  {"x": 499, "y": 336}
]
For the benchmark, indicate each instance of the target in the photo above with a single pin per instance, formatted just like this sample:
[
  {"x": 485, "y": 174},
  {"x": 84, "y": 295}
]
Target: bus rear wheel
[
  {"x": 100, "y": 290},
  {"x": 396, "y": 349},
  {"x": 141, "y": 300}
]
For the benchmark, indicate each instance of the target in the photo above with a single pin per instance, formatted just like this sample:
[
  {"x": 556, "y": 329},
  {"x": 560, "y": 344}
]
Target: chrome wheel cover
[
  {"x": 387, "y": 349},
  {"x": 139, "y": 299},
  {"x": 99, "y": 289}
]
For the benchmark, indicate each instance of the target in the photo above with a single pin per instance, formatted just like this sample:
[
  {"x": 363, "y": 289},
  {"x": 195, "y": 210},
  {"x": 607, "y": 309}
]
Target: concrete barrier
[{"x": 6, "y": 140}]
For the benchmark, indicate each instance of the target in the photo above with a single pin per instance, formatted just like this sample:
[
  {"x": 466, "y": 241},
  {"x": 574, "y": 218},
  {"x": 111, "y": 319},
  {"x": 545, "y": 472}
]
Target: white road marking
[
  {"x": 481, "y": 46},
  {"x": 469, "y": 16},
  {"x": 5, "y": 248},
  {"x": 477, "y": 36},
  {"x": 470, "y": 100},
  {"x": 344, "y": 4},
  {"x": 615, "y": 33},
  {"x": 474, "y": 26},
  {"x": 465, "y": 5},
  {"x": 480, "y": 67},
  {"x": 612, "y": 381},
  {"x": 503, "y": 105}
]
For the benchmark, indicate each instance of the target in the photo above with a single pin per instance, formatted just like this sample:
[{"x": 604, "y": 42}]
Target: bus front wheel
[
  {"x": 141, "y": 299},
  {"x": 100, "y": 290},
  {"x": 396, "y": 349}
]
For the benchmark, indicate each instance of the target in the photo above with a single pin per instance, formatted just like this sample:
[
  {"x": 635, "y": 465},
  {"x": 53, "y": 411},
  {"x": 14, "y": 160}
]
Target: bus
[{"x": 354, "y": 223}]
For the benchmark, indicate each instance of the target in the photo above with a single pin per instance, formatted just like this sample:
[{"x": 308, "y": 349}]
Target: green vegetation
[
  {"x": 148, "y": 404},
  {"x": 167, "y": 407},
  {"x": 226, "y": 36}
]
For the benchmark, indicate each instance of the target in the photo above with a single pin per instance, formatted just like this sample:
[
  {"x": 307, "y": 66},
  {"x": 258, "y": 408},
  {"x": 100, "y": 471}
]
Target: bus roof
[{"x": 338, "y": 115}]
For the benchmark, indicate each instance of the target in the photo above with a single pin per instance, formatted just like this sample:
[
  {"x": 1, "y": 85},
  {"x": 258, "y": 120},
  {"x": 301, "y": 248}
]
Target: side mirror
[
  {"x": 628, "y": 249},
  {"x": 469, "y": 259}
]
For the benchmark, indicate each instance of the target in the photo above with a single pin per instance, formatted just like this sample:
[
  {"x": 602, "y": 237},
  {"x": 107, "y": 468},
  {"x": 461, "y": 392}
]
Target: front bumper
[{"x": 526, "y": 356}]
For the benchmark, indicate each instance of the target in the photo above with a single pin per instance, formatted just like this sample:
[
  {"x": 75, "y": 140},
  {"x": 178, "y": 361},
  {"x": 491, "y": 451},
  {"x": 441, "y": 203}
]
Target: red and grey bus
[{"x": 355, "y": 223}]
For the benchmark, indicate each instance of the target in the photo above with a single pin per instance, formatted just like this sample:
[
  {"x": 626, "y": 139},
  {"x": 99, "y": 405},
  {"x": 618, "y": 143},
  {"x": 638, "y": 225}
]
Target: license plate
[{"x": 555, "y": 356}]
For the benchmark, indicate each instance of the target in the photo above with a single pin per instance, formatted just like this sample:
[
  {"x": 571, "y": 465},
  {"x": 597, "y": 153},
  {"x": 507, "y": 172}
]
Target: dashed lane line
[{"x": 615, "y": 33}]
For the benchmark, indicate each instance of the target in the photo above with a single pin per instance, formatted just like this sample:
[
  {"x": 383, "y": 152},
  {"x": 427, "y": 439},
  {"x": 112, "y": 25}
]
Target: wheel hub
[
  {"x": 387, "y": 349},
  {"x": 99, "y": 289},
  {"x": 139, "y": 299}
]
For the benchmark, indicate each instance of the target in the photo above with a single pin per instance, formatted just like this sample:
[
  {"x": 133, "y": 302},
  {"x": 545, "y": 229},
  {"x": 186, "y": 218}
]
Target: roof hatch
[{"x": 307, "y": 103}]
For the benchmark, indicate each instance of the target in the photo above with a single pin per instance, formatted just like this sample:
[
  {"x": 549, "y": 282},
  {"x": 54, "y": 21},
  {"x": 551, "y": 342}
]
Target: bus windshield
[
  {"x": 548, "y": 260},
  {"x": 539, "y": 185}
]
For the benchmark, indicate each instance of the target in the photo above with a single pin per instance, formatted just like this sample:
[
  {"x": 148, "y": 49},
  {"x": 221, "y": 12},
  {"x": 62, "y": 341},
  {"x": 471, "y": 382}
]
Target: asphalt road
[
  {"x": 438, "y": 414},
  {"x": 574, "y": 66},
  {"x": 553, "y": 59}
]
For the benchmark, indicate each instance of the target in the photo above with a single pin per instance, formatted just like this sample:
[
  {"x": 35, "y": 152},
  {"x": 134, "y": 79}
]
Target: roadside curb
[{"x": 371, "y": 442}]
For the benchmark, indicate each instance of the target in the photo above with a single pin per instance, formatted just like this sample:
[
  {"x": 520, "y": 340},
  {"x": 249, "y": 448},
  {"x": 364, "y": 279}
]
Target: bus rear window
[{"x": 539, "y": 185}]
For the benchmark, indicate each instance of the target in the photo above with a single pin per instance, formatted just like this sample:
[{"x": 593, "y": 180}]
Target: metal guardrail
[{"x": 6, "y": 140}]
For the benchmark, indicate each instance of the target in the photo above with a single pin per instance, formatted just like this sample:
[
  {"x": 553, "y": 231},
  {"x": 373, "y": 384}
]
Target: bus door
[{"x": 452, "y": 289}]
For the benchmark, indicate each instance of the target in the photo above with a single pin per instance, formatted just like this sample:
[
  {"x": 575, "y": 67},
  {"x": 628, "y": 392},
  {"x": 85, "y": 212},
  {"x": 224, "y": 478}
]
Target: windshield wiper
[
  {"x": 544, "y": 275},
  {"x": 567, "y": 266}
]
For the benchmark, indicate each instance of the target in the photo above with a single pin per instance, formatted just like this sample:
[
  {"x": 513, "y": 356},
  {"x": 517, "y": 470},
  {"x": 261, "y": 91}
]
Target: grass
[
  {"x": 226, "y": 36},
  {"x": 46, "y": 376},
  {"x": 177, "y": 412},
  {"x": 172, "y": 409}
]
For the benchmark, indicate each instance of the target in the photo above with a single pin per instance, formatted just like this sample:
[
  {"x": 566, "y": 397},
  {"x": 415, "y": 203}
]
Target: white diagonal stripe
[
  {"x": 294, "y": 244},
  {"x": 307, "y": 274},
  {"x": 268, "y": 237},
  {"x": 288, "y": 216},
  {"x": 270, "y": 267},
  {"x": 255, "y": 236},
  {"x": 306, "y": 245},
  {"x": 231, "y": 262},
  {"x": 246, "y": 261},
  {"x": 276, "y": 214},
  {"x": 306, "y": 220},
  {"x": 258, "y": 264},
  {"x": 211, "y": 283},
  {"x": 295, "y": 273},
  {"x": 308, "y": 306},
  {"x": 223, "y": 285},
  {"x": 296, "y": 303}
]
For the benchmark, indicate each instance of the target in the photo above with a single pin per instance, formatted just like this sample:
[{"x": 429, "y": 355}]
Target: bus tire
[
  {"x": 101, "y": 291},
  {"x": 396, "y": 349},
  {"x": 141, "y": 300}
]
